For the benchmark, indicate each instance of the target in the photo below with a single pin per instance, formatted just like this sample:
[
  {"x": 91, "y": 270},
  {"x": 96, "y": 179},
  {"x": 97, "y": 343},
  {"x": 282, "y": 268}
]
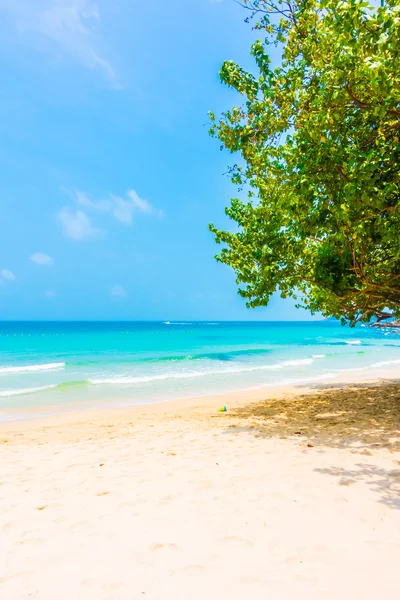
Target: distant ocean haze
[{"x": 68, "y": 365}]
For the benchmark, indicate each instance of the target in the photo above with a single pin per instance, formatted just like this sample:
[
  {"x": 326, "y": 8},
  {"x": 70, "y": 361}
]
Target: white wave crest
[
  {"x": 297, "y": 363},
  {"x": 377, "y": 365},
  {"x": 318, "y": 356},
  {"x": 190, "y": 374},
  {"x": 22, "y": 391},
  {"x": 353, "y": 342},
  {"x": 385, "y": 363},
  {"x": 26, "y": 368}
]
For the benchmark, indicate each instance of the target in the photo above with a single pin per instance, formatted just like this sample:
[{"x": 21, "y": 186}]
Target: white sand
[{"x": 172, "y": 503}]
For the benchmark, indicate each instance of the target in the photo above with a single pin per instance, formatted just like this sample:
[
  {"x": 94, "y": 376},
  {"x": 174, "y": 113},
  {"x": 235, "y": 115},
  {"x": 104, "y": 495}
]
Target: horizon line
[{"x": 188, "y": 321}]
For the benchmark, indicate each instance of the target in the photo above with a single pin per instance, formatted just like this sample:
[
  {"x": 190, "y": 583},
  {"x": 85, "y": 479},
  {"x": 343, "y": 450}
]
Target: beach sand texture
[{"x": 294, "y": 497}]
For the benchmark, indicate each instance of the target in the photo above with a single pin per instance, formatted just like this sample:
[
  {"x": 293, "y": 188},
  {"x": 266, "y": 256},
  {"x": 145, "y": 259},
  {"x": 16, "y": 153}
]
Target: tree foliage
[{"x": 319, "y": 140}]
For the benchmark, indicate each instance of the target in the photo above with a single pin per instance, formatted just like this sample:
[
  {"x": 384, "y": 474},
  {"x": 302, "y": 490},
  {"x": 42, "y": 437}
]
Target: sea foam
[
  {"x": 190, "y": 374},
  {"x": 23, "y": 391},
  {"x": 23, "y": 368},
  {"x": 385, "y": 363}
]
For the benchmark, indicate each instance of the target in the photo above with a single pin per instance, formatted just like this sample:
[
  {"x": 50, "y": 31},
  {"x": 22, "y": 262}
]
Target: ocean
[{"x": 58, "y": 366}]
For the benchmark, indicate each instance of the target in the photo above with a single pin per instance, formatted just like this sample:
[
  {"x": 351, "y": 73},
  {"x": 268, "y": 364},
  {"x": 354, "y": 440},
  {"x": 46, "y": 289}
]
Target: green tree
[{"x": 318, "y": 137}]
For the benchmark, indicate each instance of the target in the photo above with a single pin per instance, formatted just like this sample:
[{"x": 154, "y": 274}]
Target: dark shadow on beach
[{"x": 361, "y": 418}]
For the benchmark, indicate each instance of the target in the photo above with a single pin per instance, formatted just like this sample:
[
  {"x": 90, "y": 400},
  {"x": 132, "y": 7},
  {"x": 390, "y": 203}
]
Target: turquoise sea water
[{"x": 54, "y": 365}]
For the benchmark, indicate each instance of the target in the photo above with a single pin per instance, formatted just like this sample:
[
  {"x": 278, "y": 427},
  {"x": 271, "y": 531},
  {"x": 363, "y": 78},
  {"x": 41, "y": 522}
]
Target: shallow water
[{"x": 51, "y": 365}]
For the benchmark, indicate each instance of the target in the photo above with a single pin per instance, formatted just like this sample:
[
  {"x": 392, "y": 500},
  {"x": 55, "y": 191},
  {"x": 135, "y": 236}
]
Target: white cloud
[
  {"x": 8, "y": 275},
  {"x": 76, "y": 224},
  {"x": 122, "y": 209},
  {"x": 144, "y": 206},
  {"x": 41, "y": 259},
  {"x": 118, "y": 290},
  {"x": 49, "y": 293},
  {"x": 71, "y": 26},
  {"x": 84, "y": 200}
]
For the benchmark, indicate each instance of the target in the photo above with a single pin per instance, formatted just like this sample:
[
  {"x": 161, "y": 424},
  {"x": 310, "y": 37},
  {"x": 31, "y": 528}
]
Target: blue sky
[{"x": 109, "y": 178}]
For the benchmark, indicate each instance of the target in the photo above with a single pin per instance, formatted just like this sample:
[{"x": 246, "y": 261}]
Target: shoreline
[{"x": 34, "y": 418}]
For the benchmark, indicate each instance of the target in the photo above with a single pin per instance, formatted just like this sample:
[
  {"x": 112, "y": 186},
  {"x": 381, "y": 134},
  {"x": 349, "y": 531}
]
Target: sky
[{"x": 109, "y": 178}]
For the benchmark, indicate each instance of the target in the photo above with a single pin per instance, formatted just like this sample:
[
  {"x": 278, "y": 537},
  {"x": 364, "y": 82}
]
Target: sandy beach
[
  {"x": 297, "y": 495},
  {"x": 200, "y": 300}
]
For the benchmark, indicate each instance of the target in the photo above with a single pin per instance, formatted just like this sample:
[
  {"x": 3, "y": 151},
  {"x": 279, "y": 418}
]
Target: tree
[{"x": 318, "y": 137}]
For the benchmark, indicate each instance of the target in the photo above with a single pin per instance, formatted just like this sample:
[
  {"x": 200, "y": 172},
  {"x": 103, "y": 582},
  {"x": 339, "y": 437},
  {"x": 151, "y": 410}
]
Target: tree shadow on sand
[
  {"x": 361, "y": 418},
  {"x": 384, "y": 482}
]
